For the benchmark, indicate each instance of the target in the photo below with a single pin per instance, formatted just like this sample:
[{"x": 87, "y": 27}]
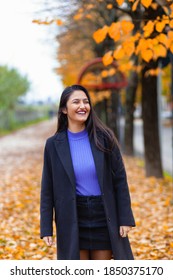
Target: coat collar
[{"x": 63, "y": 150}]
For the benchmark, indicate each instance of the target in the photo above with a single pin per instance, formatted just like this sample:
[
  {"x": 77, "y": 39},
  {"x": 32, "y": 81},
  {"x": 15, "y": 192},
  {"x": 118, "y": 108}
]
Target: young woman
[{"x": 84, "y": 182}]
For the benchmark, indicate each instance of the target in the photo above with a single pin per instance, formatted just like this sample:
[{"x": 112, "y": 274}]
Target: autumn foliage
[{"x": 154, "y": 40}]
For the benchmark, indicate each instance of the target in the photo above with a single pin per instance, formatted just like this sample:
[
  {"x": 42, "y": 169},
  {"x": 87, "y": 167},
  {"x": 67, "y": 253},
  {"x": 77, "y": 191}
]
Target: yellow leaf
[
  {"x": 134, "y": 7},
  {"x": 171, "y": 48},
  {"x": 170, "y": 34},
  {"x": 88, "y": 16},
  {"x": 148, "y": 28},
  {"x": 35, "y": 21},
  {"x": 112, "y": 71},
  {"x": 90, "y": 6},
  {"x": 104, "y": 73},
  {"x": 129, "y": 47},
  {"x": 147, "y": 55},
  {"x": 160, "y": 26},
  {"x": 100, "y": 34},
  {"x": 125, "y": 67},
  {"x": 78, "y": 16},
  {"x": 126, "y": 26},
  {"x": 171, "y": 23},
  {"x": 162, "y": 38},
  {"x": 120, "y": 2},
  {"x": 154, "y": 6},
  {"x": 58, "y": 22},
  {"x": 146, "y": 3},
  {"x": 119, "y": 53},
  {"x": 107, "y": 58},
  {"x": 159, "y": 51},
  {"x": 114, "y": 31},
  {"x": 109, "y": 6}
]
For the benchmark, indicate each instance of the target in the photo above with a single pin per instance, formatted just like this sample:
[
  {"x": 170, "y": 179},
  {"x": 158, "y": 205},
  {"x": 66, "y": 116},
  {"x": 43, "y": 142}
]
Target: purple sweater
[{"x": 83, "y": 164}]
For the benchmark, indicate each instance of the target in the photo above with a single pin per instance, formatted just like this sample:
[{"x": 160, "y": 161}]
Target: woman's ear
[{"x": 64, "y": 110}]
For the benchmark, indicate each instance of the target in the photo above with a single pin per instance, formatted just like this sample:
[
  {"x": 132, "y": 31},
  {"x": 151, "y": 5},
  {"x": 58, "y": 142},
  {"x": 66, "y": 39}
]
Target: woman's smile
[{"x": 77, "y": 109}]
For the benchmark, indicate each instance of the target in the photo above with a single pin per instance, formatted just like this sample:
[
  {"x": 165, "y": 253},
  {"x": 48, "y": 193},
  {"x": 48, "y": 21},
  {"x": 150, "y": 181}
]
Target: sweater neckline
[{"x": 77, "y": 135}]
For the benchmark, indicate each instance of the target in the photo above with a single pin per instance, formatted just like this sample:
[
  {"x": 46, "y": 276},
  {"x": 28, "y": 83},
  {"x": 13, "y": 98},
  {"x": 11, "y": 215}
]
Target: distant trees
[{"x": 12, "y": 85}]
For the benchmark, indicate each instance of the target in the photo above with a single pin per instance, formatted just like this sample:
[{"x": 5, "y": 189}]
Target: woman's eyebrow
[{"x": 80, "y": 99}]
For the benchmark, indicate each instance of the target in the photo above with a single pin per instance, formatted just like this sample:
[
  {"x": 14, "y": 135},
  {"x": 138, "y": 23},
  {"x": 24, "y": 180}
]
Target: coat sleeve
[
  {"x": 122, "y": 194},
  {"x": 46, "y": 198}
]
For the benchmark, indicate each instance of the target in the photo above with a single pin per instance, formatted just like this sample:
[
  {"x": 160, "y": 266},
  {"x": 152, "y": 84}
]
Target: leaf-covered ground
[{"x": 21, "y": 155}]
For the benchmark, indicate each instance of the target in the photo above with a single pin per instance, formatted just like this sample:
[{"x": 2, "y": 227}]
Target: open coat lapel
[{"x": 63, "y": 150}]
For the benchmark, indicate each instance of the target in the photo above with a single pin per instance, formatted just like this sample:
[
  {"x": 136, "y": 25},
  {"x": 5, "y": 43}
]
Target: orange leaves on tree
[
  {"x": 109, "y": 6},
  {"x": 162, "y": 38},
  {"x": 171, "y": 23},
  {"x": 118, "y": 29},
  {"x": 170, "y": 38},
  {"x": 78, "y": 16},
  {"x": 160, "y": 25},
  {"x": 134, "y": 7},
  {"x": 110, "y": 72},
  {"x": 114, "y": 31},
  {"x": 152, "y": 48},
  {"x": 129, "y": 47},
  {"x": 154, "y": 6},
  {"x": 159, "y": 51},
  {"x": 119, "y": 53},
  {"x": 171, "y": 47},
  {"x": 148, "y": 28},
  {"x": 147, "y": 54},
  {"x": 120, "y": 2},
  {"x": 100, "y": 34},
  {"x": 58, "y": 22},
  {"x": 125, "y": 67},
  {"x": 146, "y": 3},
  {"x": 107, "y": 58},
  {"x": 126, "y": 27}
]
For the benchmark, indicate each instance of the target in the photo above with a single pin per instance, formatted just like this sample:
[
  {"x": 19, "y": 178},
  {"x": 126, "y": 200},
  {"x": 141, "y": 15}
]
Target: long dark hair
[{"x": 94, "y": 125}]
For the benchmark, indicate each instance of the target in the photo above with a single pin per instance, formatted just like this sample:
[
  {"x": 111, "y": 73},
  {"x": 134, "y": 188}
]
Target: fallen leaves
[
  {"x": 151, "y": 203},
  {"x": 152, "y": 238}
]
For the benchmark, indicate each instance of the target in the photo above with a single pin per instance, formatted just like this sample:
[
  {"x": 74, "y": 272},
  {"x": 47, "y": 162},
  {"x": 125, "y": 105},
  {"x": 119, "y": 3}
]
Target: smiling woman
[
  {"x": 77, "y": 111},
  {"x": 84, "y": 182}
]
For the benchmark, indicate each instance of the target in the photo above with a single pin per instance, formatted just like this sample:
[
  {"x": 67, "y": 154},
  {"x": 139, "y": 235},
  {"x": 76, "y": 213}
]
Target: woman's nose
[{"x": 82, "y": 105}]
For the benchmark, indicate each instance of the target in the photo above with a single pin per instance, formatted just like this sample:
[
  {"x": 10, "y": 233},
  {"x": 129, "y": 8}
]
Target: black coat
[{"x": 58, "y": 193}]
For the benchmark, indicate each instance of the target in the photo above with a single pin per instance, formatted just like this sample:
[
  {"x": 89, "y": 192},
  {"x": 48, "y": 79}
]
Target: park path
[{"x": 21, "y": 158}]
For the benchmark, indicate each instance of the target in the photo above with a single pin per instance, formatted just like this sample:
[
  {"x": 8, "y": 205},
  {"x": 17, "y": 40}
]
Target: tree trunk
[
  {"x": 153, "y": 164},
  {"x": 129, "y": 117},
  {"x": 112, "y": 112}
]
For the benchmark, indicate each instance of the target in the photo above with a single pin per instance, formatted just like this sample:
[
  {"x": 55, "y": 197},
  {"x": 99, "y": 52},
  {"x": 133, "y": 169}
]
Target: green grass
[{"x": 18, "y": 126}]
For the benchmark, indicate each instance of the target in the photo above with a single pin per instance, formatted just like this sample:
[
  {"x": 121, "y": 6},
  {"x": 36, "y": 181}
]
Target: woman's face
[{"x": 77, "y": 108}]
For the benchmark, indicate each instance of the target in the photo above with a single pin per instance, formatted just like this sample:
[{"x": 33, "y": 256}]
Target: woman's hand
[
  {"x": 48, "y": 240},
  {"x": 124, "y": 230}
]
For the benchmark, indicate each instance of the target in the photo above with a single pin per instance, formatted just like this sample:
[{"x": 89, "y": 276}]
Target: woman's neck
[{"x": 76, "y": 128}]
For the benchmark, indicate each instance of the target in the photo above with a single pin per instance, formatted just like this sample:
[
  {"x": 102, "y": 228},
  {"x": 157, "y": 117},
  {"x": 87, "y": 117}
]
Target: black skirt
[{"x": 93, "y": 231}]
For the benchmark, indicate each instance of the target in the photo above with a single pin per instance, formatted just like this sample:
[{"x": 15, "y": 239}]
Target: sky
[{"x": 29, "y": 47}]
